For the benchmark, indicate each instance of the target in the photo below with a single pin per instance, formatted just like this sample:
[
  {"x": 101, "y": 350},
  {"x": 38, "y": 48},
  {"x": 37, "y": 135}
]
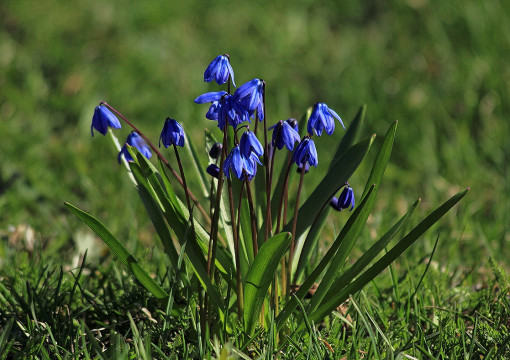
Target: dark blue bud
[
  {"x": 215, "y": 150},
  {"x": 214, "y": 171}
]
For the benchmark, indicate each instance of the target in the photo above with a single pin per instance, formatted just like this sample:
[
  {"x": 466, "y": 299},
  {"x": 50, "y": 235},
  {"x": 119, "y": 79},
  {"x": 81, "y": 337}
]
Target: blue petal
[{"x": 210, "y": 97}]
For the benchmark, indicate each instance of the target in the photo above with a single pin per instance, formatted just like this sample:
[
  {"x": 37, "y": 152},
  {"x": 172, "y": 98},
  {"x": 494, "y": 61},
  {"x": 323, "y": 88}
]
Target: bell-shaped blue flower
[
  {"x": 232, "y": 112},
  {"x": 172, "y": 134},
  {"x": 250, "y": 144},
  {"x": 239, "y": 164},
  {"x": 251, "y": 95},
  {"x": 345, "y": 200},
  {"x": 136, "y": 141},
  {"x": 219, "y": 69},
  {"x": 305, "y": 153},
  {"x": 284, "y": 135},
  {"x": 224, "y": 108},
  {"x": 102, "y": 119},
  {"x": 322, "y": 119}
]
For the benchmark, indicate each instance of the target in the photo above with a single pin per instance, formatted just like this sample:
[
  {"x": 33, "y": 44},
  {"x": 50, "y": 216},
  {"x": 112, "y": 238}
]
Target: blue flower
[
  {"x": 232, "y": 112},
  {"x": 213, "y": 170},
  {"x": 239, "y": 164},
  {"x": 224, "y": 108},
  {"x": 172, "y": 134},
  {"x": 322, "y": 119},
  {"x": 345, "y": 200},
  {"x": 305, "y": 152},
  {"x": 136, "y": 141},
  {"x": 251, "y": 96},
  {"x": 284, "y": 135},
  {"x": 219, "y": 69},
  {"x": 103, "y": 118},
  {"x": 250, "y": 144}
]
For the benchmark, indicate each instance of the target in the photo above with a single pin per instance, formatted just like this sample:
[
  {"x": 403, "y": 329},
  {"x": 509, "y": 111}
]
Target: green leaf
[
  {"x": 369, "y": 255},
  {"x": 387, "y": 259},
  {"x": 352, "y": 134},
  {"x": 383, "y": 156},
  {"x": 199, "y": 168},
  {"x": 155, "y": 213},
  {"x": 351, "y": 230},
  {"x": 340, "y": 171},
  {"x": 260, "y": 275},
  {"x": 349, "y": 139},
  {"x": 121, "y": 252},
  {"x": 323, "y": 264}
]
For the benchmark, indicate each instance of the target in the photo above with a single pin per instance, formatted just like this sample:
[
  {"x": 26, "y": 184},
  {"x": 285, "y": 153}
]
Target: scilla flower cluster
[{"x": 248, "y": 147}]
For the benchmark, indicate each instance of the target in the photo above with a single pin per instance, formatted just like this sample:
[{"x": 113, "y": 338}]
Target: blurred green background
[{"x": 440, "y": 67}]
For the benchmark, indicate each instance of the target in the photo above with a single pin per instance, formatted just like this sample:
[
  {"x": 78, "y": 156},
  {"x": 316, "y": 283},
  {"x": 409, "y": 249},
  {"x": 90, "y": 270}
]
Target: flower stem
[
  {"x": 269, "y": 226},
  {"x": 236, "y": 249},
  {"x": 211, "y": 254},
  {"x": 179, "y": 163},
  {"x": 253, "y": 218}
]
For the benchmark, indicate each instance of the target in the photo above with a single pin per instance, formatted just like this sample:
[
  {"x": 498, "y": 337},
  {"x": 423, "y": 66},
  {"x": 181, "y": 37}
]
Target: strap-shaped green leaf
[
  {"x": 323, "y": 264},
  {"x": 261, "y": 275},
  {"x": 338, "y": 298},
  {"x": 369, "y": 255},
  {"x": 349, "y": 139},
  {"x": 120, "y": 251},
  {"x": 349, "y": 234}
]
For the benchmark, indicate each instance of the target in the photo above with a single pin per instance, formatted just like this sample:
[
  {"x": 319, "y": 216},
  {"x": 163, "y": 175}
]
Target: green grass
[{"x": 440, "y": 68}]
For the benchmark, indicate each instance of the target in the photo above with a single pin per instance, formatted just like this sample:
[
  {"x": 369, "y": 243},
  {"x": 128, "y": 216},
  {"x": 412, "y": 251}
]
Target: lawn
[{"x": 438, "y": 67}]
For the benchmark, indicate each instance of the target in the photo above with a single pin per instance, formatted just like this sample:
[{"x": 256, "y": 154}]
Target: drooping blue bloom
[
  {"x": 219, "y": 69},
  {"x": 232, "y": 112},
  {"x": 215, "y": 150},
  {"x": 305, "y": 152},
  {"x": 251, "y": 164},
  {"x": 213, "y": 170},
  {"x": 250, "y": 144},
  {"x": 136, "y": 141},
  {"x": 172, "y": 134},
  {"x": 345, "y": 200},
  {"x": 102, "y": 119},
  {"x": 251, "y": 95},
  {"x": 239, "y": 164},
  {"x": 284, "y": 135},
  {"x": 224, "y": 108},
  {"x": 322, "y": 119}
]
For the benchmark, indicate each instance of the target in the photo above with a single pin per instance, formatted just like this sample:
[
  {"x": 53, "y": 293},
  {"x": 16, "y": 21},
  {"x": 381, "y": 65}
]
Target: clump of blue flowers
[{"x": 248, "y": 236}]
